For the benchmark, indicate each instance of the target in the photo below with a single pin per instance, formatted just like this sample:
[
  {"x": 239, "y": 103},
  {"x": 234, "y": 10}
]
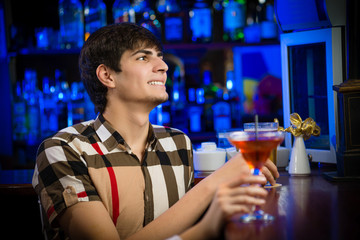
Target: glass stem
[{"x": 256, "y": 172}]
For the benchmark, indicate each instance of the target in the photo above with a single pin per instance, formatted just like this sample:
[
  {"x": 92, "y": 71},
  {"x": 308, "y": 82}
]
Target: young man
[{"x": 118, "y": 176}]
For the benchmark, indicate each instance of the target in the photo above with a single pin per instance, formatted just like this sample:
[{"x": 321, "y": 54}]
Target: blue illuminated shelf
[
  {"x": 167, "y": 46},
  {"x": 213, "y": 45},
  {"x": 35, "y": 51}
]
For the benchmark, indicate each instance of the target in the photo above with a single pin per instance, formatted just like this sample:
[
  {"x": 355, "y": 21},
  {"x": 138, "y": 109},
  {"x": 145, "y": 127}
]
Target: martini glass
[
  {"x": 255, "y": 147},
  {"x": 265, "y": 127}
]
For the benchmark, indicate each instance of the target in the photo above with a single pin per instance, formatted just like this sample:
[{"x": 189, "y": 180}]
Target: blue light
[
  {"x": 191, "y": 95},
  {"x": 207, "y": 77},
  {"x": 159, "y": 114},
  {"x": 61, "y": 96},
  {"x": 176, "y": 95},
  {"x": 229, "y": 84},
  {"x": 200, "y": 95}
]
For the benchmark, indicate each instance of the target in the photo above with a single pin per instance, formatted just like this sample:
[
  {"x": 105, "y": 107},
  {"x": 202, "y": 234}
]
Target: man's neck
[{"x": 132, "y": 124}]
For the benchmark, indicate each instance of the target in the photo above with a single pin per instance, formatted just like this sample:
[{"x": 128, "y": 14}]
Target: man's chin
[{"x": 160, "y": 100}]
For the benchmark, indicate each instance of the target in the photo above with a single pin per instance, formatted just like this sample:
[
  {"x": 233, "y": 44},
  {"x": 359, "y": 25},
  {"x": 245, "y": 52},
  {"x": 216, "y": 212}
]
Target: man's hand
[
  {"x": 236, "y": 196},
  {"x": 270, "y": 171}
]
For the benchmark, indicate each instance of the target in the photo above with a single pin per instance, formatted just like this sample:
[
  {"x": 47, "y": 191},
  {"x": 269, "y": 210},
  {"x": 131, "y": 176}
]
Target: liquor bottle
[
  {"x": 196, "y": 100},
  {"x": 178, "y": 99},
  {"x": 49, "y": 121},
  {"x": 201, "y": 22},
  {"x": 173, "y": 19},
  {"x": 230, "y": 93},
  {"x": 269, "y": 28},
  {"x": 123, "y": 12},
  {"x": 234, "y": 20},
  {"x": 62, "y": 99},
  {"x": 71, "y": 18},
  {"x": 222, "y": 116},
  {"x": 146, "y": 17},
  {"x": 76, "y": 104},
  {"x": 33, "y": 107},
  {"x": 19, "y": 115},
  {"x": 178, "y": 91},
  {"x": 95, "y": 16},
  {"x": 210, "y": 94},
  {"x": 218, "y": 17}
]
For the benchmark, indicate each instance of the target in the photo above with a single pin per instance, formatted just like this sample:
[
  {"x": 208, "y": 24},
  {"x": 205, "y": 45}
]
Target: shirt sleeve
[
  {"x": 61, "y": 177},
  {"x": 191, "y": 163}
]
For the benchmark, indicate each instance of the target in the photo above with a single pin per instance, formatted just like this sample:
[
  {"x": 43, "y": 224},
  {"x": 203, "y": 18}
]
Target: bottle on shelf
[
  {"x": 201, "y": 24},
  {"x": 269, "y": 28},
  {"x": 76, "y": 104},
  {"x": 146, "y": 17},
  {"x": 173, "y": 21},
  {"x": 230, "y": 94},
  {"x": 234, "y": 20},
  {"x": 19, "y": 115},
  {"x": 33, "y": 108},
  {"x": 123, "y": 11},
  {"x": 218, "y": 19},
  {"x": 94, "y": 16},
  {"x": 178, "y": 100},
  {"x": 49, "y": 120},
  {"x": 222, "y": 115},
  {"x": 71, "y": 18},
  {"x": 62, "y": 99},
  {"x": 210, "y": 95},
  {"x": 196, "y": 100}
]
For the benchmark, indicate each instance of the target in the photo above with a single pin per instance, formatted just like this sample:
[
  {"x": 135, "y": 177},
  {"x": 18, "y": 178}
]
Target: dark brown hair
[{"x": 106, "y": 46}]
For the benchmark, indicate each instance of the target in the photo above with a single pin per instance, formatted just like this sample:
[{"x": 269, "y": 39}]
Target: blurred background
[{"x": 225, "y": 58}]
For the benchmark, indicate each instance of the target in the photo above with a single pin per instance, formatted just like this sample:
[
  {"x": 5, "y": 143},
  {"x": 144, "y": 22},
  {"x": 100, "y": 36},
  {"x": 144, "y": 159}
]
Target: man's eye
[{"x": 142, "y": 58}]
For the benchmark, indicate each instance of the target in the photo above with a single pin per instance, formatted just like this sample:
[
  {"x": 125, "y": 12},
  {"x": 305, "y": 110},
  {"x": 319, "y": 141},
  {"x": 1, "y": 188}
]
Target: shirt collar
[{"x": 111, "y": 138}]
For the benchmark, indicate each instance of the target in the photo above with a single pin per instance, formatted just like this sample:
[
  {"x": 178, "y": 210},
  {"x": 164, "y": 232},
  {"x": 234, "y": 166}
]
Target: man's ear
[{"x": 105, "y": 76}]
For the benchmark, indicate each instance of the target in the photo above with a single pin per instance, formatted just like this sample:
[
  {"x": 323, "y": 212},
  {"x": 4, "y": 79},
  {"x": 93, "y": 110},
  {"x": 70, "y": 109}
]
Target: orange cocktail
[{"x": 256, "y": 150}]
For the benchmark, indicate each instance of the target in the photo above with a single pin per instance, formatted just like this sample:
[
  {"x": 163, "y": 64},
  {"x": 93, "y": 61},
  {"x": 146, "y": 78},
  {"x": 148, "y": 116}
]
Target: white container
[
  {"x": 299, "y": 162},
  {"x": 208, "y": 158}
]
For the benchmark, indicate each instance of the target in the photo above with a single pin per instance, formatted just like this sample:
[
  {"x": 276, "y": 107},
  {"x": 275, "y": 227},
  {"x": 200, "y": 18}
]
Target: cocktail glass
[
  {"x": 255, "y": 147},
  {"x": 261, "y": 127}
]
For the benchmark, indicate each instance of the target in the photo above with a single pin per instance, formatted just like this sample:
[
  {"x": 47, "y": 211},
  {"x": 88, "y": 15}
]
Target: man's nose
[{"x": 161, "y": 65}]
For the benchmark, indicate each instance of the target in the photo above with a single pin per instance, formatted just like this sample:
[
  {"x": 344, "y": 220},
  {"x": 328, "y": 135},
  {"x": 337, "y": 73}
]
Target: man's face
[{"x": 142, "y": 77}]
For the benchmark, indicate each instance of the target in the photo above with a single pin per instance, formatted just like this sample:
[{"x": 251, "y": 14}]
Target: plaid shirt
[{"x": 91, "y": 161}]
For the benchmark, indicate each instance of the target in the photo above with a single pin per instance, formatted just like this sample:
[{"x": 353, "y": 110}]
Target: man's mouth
[{"x": 159, "y": 83}]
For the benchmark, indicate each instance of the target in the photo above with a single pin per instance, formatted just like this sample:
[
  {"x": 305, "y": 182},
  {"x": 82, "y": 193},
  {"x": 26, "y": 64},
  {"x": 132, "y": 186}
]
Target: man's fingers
[
  {"x": 268, "y": 175},
  {"x": 251, "y": 190},
  {"x": 272, "y": 168},
  {"x": 249, "y": 179}
]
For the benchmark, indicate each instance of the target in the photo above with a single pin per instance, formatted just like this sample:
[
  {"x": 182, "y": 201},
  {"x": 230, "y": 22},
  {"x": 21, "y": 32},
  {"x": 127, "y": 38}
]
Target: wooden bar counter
[
  {"x": 19, "y": 208},
  {"x": 306, "y": 208}
]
